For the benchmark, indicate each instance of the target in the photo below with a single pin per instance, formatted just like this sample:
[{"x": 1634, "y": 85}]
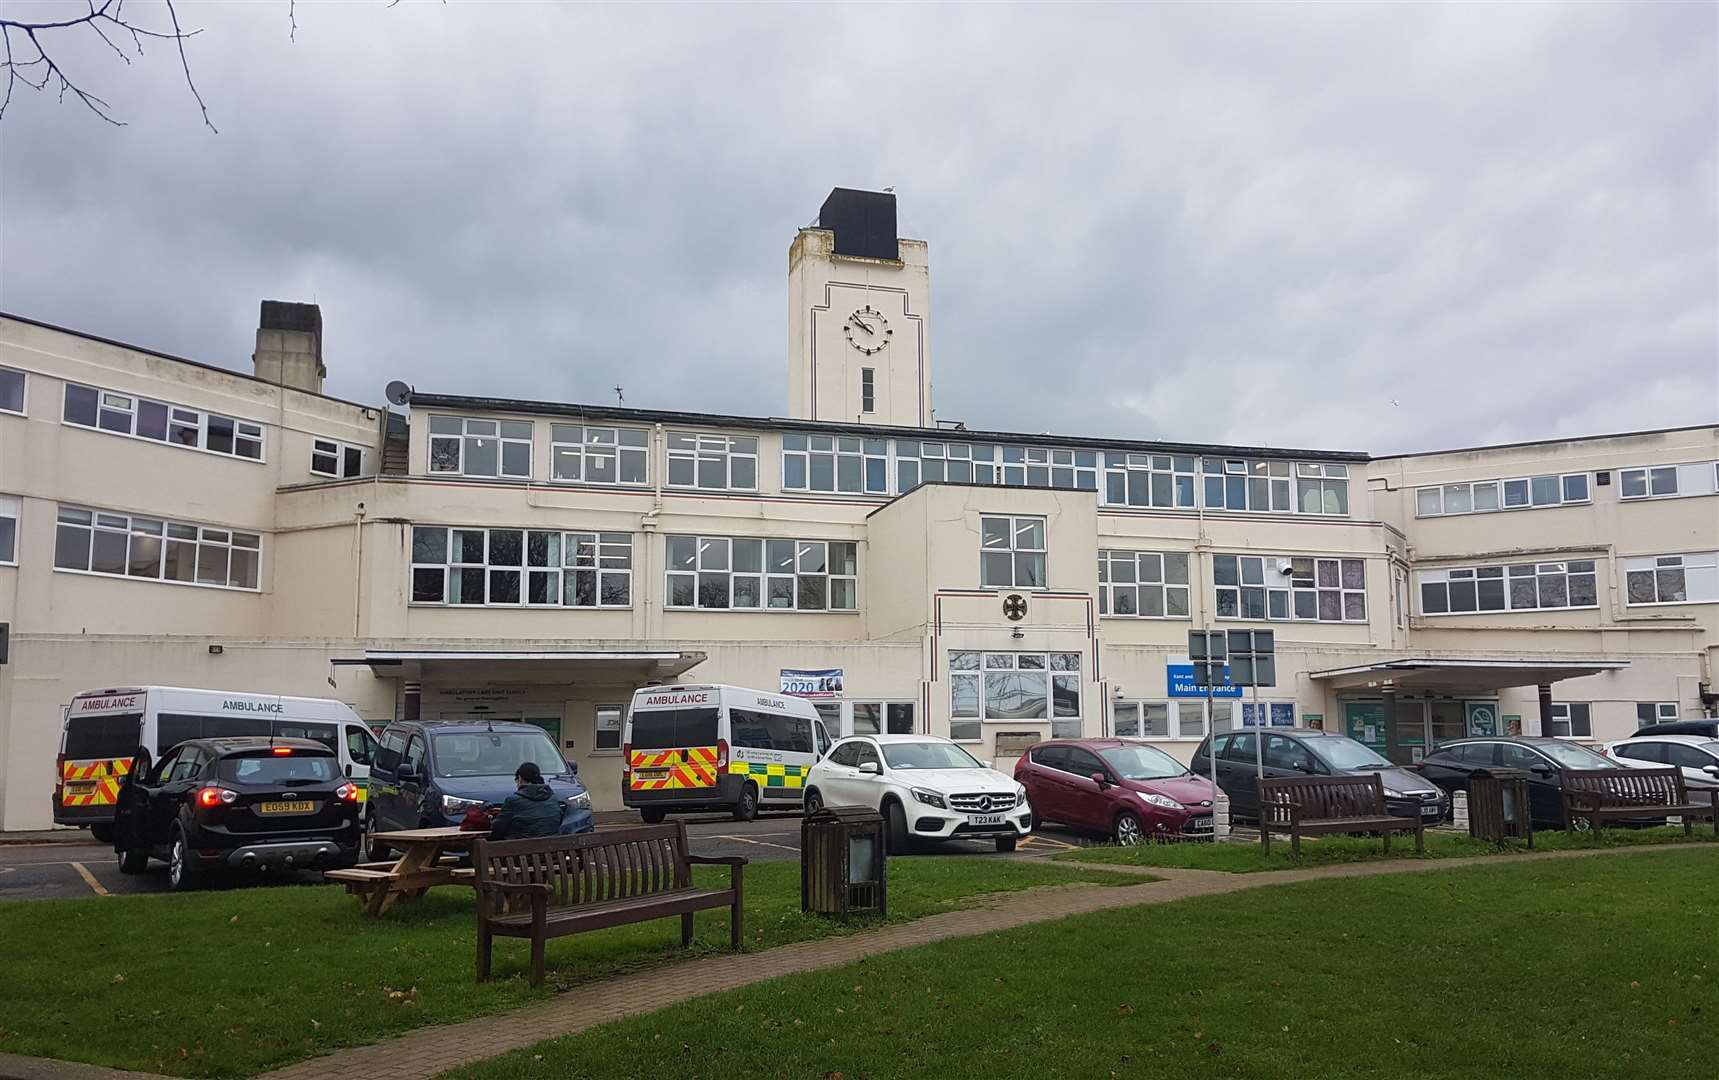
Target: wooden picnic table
[{"x": 419, "y": 867}]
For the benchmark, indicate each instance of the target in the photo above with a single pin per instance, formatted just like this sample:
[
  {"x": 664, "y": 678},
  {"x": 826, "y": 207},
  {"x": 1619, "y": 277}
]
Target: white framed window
[
  {"x": 720, "y": 573},
  {"x": 1322, "y": 488},
  {"x": 330, "y": 457},
  {"x": 1163, "y": 481},
  {"x": 1668, "y": 481},
  {"x": 9, "y": 508},
  {"x": 161, "y": 422},
  {"x": 470, "y": 446},
  {"x": 1012, "y": 553},
  {"x": 610, "y": 719},
  {"x": 1314, "y": 589},
  {"x": 1278, "y": 713},
  {"x": 460, "y": 567},
  {"x": 599, "y": 455},
  {"x": 918, "y": 462},
  {"x": 993, "y": 686},
  {"x": 90, "y": 541},
  {"x": 1656, "y": 712},
  {"x": 1672, "y": 579},
  {"x": 868, "y": 389},
  {"x": 12, "y": 390},
  {"x": 712, "y": 462},
  {"x": 1159, "y": 720},
  {"x": 1547, "y": 586},
  {"x": 1572, "y": 720},
  {"x": 1277, "y": 487},
  {"x": 882, "y": 718},
  {"x": 1143, "y": 584},
  {"x": 1520, "y": 493},
  {"x": 837, "y": 464}
]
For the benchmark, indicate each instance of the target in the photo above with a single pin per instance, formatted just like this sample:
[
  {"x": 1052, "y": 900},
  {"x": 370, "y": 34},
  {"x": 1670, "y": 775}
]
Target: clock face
[{"x": 867, "y": 330}]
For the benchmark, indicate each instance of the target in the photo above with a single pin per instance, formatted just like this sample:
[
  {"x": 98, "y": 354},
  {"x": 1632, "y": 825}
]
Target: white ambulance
[{"x": 106, "y": 731}]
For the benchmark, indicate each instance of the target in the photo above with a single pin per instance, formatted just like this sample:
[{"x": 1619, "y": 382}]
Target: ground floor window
[
  {"x": 1014, "y": 686},
  {"x": 1279, "y": 713},
  {"x": 609, "y": 719},
  {"x": 1573, "y": 719},
  {"x": 882, "y": 718},
  {"x": 1655, "y": 712},
  {"x": 1167, "y": 719}
]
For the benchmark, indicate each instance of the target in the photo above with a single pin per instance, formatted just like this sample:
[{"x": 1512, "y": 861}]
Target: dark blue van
[{"x": 429, "y": 773}]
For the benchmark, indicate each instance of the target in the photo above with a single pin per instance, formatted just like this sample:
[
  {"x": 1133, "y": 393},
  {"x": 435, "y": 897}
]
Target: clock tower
[{"x": 859, "y": 308}]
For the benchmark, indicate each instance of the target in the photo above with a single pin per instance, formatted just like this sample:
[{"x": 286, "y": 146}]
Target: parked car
[
  {"x": 1706, "y": 728},
  {"x": 1310, "y": 752},
  {"x": 239, "y": 803},
  {"x": 1130, "y": 791},
  {"x": 1546, "y": 760},
  {"x": 925, "y": 787},
  {"x": 1695, "y": 756},
  {"x": 429, "y": 773}
]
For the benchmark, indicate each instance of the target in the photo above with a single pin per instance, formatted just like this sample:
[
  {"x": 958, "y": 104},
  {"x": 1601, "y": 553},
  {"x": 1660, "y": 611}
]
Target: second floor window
[
  {"x": 513, "y": 567},
  {"x": 8, "y": 530},
  {"x": 720, "y": 573},
  {"x": 469, "y": 446},
  {"x": 712, "y": 462},
  {"x": 843, "y": 464},
  {"x": 121, "y": 545},
  {"x": 1148, "y": 584},
  {"x": 157, "y": 421},
  {"x": 1669, "y": 481},
  {"x": 1012, "y": 553},
  {"x": 1672, "y": 579},
  {"x": 1312, "y": 589},
  {"x": 599, "y": 455},
  {"x": 1518, "y": 587},
  {"x": 11, "y": 391},
  {"x": 338, "y": 459},
  {"x": 1485, "y": 496}
]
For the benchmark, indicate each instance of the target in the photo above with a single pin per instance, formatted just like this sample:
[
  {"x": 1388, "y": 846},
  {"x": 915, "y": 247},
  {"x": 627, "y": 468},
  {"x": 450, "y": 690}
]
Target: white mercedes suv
[{"x": 925, "y": 788}]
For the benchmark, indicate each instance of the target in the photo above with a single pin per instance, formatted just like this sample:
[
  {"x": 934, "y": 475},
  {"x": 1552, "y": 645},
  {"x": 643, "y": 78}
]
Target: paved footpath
[{"x": 429, "y": 1051}]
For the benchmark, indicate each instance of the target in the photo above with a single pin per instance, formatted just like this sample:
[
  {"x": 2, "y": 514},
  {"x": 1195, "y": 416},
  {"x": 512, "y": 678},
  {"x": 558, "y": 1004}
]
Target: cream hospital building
[{"x": 171, "y": 521}]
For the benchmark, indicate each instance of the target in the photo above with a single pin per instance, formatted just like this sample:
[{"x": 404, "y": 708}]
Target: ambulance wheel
[
  {"x": 103, "y": 832},
  {"x": 747, "y": 808},
  {"x": 131, "y": 862},
  {"x": 181, "y": 867},
  {"x": 653, "y": 815}
]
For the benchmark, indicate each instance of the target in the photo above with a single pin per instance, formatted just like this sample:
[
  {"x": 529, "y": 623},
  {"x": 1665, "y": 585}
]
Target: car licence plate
[
  {"x": 985, "y": 819},
  {"x": 286, "y": 807},
  {"x": 80, "y": 787},
  {"x": 1430, "y": 811}
]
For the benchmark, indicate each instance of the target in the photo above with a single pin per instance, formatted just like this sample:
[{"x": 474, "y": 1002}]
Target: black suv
[{"x": 239, "y": 803}]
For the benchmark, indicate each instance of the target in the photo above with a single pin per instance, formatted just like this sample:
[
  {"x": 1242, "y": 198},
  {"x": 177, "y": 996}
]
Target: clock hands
[{"x": 855, "y": 320}]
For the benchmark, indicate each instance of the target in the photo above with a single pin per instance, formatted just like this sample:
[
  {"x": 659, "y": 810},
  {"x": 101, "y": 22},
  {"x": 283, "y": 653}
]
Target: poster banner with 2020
[{"x": 819, "y": 683}]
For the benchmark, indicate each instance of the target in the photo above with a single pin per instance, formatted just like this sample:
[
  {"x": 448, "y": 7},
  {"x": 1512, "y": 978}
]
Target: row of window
[
  {"x": 1565, "y": 489},
  {"x": 1652, "y": 579},
  {"x": 159, "y": 421},
  {"x": 513, "y": 567},
  {"x": 1014, "y": 686},
  {"x": 121, "y": 545},
  {"x": 1287, "y": 588}
]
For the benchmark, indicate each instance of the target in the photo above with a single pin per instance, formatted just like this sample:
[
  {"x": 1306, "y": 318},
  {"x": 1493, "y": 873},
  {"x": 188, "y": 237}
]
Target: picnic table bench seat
[
  {"x": 556, "y": 886},
  {"x": 1323, "y": 805},
  {"x": 1597, "y": 795}
]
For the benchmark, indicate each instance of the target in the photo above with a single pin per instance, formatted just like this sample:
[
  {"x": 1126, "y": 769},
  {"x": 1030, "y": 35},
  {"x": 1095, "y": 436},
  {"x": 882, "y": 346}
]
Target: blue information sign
[{"x": 1181, "y": 681}]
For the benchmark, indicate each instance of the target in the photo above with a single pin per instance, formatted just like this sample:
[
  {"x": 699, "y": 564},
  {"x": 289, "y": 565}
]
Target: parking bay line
[
  {"x": 749, "y": 840},
  {"x": 89, "y": 879}
]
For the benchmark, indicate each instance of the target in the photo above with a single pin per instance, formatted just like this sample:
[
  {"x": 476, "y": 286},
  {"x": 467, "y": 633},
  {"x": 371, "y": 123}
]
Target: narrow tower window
[{"x": 868, "y": 389}]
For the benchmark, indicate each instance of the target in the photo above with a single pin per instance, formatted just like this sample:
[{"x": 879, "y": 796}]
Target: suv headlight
[
  {"x": 1155, "y": 799},
  {"x": 454, "y": 805},
  {"x": 581, "y": 801},
  {"x": 1020, "y": 794},
  {"x": 1393, "y": 793},
  {"x": 929, "y": 798}
]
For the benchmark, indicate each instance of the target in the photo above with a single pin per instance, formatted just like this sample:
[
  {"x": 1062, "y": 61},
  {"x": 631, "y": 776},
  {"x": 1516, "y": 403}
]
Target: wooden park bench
[
  {"x": 560, "y": 885},
  {"x": 1594, "y": 795},
  {"x": 1319, "y": 805}
]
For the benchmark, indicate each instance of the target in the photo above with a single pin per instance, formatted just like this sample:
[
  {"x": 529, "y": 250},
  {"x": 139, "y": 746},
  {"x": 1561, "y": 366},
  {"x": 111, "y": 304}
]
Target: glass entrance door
[{"x": 1449, "y": 721}]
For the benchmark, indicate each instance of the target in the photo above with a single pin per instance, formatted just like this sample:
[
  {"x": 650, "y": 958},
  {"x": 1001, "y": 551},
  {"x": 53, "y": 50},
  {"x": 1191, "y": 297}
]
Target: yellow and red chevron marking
[
  {"x": 102, "y": 778},
  {"x": 662, "y": 770}
]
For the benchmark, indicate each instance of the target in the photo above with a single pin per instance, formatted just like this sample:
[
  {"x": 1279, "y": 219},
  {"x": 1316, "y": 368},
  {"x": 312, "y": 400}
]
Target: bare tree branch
[
  {"x": 29, "y": 62},
  {"x": 292, "y": 19}
]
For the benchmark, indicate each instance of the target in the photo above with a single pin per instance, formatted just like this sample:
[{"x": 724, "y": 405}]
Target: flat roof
[
  {"x": 1548, "y": 442},
  {"x": 621, "y": 414}
]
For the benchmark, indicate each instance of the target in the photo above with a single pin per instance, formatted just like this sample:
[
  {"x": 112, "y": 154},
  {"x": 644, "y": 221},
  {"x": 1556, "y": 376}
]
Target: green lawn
[
  {"x": 1243, "y": 857},
  {"x": 228, "y": 983},
  {"x": 1605, "y": 967}
]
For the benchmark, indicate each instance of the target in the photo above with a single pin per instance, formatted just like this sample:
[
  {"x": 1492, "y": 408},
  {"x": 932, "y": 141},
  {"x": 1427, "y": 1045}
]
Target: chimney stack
[{"x": 289, "y": 346}]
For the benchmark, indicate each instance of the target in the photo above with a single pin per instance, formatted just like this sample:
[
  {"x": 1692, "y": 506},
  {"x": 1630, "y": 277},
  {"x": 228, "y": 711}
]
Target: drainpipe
[
  {"x": 358, "y": 570},
  {"x": 644, "y": 584}
]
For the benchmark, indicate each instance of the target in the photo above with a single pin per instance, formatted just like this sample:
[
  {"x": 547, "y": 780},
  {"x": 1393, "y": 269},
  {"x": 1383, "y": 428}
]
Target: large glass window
[
  {"x": 8, "y": 530},
  {"x": 842, "y": 464},
  {"x": 1486, "y": 496},
  {"x": 1012, "y": 553},
  {"x": 1672, "y": 579},
  {"x": 599, "y": 455},
  {"x": 1144, "y": 584},
  {"x": 159, "y": 421},
  {"x": 1275, "y": 486},
  {"x": 748, "y": 574},
  {"x": 1573, "y": 719},
  {"x": 1282, "y": 588},
  {"x": 471, "y": 446},
  {"x": 930, "y": 461},
  {"x": 712, "y": 462},
  {"x": 1518, "y": 587},
  {"x": 120, "y": 545},
  {"x": 1669, "y": 481},
  {"x": 1014, "y": 686},
  {"x": 1165, "y": 481},
  {"x": 514, "y": 567},
  {"x": 11, "y": 391}
]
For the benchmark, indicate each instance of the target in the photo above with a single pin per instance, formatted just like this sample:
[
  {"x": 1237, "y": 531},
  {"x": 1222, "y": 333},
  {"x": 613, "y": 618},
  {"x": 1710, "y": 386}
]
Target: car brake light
[
  {"x": 626, "y": 758},
  {"x": 59, "y": 777},
  {"x": 347, "y": 793},
  {"x": 214, "y": 796},
  {"x": 280, "y": 751},
  {"x": 721, "y": 754}
]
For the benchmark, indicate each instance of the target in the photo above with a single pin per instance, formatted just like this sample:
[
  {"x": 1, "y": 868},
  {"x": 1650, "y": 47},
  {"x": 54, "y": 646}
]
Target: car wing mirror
[
  {"x": 1540, "y": 770},
  {"x": 573, "y": 767},
  {"x": 405, "y": 772},
  {"x": 1100, "y": 779},
  {"x": 871, "y": 768},
  {"x": 1710, "y": 770}
]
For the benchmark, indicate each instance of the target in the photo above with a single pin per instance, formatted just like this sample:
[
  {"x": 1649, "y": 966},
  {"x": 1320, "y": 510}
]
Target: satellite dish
[{"x": 398, "y": 392}]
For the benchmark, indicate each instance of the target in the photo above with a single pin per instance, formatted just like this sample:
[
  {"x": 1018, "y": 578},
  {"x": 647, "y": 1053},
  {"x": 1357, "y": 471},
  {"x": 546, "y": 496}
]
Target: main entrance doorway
[{"x": 1419, "y": 724}]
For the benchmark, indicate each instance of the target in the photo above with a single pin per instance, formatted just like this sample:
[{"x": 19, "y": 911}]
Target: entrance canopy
[
  {"x": 1437, "y": 675},
  {"x": 509, "y": 665}
]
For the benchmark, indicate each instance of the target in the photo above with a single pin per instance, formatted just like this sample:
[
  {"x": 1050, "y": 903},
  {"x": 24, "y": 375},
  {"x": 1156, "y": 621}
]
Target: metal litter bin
[
  {"x": 842, "y": 862},
  {"x": 1498, "y": 806}
]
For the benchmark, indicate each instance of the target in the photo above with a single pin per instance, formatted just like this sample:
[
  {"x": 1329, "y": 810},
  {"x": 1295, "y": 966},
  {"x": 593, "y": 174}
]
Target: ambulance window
[
  {"x": 298, "y": 729},
  {"x": 752, "y": 730},
  {"x": 110, "y": 736},
  {"x": 360, "y": 746},
  {"x": 664, "y": 729},
  {"x": 224, "y": 727}
]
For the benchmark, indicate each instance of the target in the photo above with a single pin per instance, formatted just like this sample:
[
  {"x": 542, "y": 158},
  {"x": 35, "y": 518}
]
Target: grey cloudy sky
[{"x": 1378, "y": 228}]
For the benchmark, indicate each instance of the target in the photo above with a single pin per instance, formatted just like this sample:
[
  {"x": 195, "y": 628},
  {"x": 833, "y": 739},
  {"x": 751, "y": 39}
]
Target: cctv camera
[
  {"x": 1285, "y": 567},
  {"x": 1117, "y": 690}
]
